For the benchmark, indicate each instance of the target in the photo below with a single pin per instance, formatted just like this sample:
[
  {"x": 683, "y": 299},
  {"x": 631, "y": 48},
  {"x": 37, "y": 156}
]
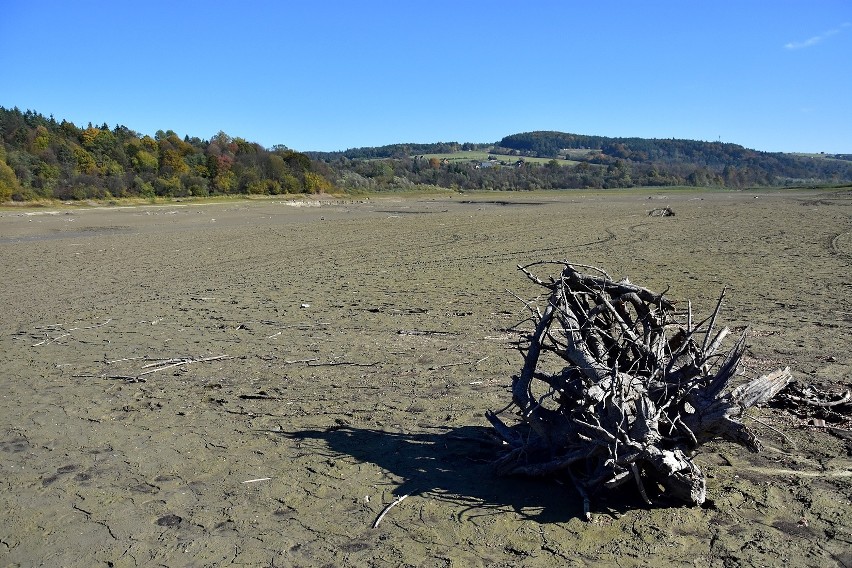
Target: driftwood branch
[
  {"x": 639, "y": 387},
  {"x": 153, "y": 367},
  {"x": 662, "y": 212},
  {"x": 387, "y": 508},
  {"x": 809, "y": 401},
  {"x": 164, "y": 364}
]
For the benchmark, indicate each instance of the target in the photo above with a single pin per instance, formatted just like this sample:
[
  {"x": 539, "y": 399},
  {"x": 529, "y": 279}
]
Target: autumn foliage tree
[
  {"x": 41, "y": 157},
  {"x": 8, "y": 180}
]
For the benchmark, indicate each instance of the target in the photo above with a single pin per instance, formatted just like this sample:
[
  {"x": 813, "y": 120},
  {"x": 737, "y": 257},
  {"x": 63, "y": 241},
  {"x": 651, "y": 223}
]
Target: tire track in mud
[
  {"x": 843, "y": 198},
  {"x": 841, "y": 244},
  {"x": 347, "y": 257},
  {"x": 773, "y": 471},
  {"x": 515, "y": 254}
]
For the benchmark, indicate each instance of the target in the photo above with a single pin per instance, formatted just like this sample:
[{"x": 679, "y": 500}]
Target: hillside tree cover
[
  {"x": 599, "y": 171},
  {"x": 44, "y": 158},
  {"x": 41, "y": 157},
  {"x": 695, "y": 162},
  {"x": 598, "y": 163}
]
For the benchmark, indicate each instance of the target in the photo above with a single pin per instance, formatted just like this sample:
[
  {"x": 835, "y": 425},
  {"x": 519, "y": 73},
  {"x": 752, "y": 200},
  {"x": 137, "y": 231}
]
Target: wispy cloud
[{"x": 812, "y": 41}]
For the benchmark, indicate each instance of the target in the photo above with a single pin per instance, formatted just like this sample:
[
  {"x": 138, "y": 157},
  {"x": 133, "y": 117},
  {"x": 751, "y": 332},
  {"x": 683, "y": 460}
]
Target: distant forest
[
  {"x": 44, "y": 158},
  {"x": 41, "y": 157},
  {"x": 597, "y": 162}
]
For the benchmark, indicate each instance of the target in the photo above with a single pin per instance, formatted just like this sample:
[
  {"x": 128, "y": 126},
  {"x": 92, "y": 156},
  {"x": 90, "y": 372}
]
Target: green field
[{"x": 479, "y": 156}]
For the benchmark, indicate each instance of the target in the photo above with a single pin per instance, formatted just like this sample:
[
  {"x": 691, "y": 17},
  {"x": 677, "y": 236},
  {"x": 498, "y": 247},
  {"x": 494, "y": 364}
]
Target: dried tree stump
[{"x": 618, "y": 386}]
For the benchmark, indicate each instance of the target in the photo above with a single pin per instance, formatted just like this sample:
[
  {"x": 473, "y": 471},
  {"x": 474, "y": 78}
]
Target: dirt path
[{"x": 326, "y": 360}]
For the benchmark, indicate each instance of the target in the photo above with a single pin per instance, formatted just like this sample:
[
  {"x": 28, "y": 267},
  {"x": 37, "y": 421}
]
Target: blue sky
[{"x": 330, "y": 75}]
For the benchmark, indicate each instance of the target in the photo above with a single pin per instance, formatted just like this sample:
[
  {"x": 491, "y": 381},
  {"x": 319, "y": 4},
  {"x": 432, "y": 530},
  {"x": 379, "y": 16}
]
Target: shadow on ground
[{"x": 455, "y": 465}]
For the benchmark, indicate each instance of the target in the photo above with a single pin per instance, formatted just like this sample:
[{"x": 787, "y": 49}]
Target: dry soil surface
[{"x": 252, "y": 383}]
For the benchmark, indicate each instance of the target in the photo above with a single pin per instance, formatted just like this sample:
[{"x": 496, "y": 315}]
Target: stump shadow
[{"x": 455, "y": 465}]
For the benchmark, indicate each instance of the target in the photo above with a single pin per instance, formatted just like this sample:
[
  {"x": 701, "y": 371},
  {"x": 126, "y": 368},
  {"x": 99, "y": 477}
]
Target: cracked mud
[{"x": 249, "y": 383}]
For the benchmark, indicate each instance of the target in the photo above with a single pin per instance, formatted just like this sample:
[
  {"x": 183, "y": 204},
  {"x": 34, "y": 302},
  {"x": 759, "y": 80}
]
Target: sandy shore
[{"x": 251, "y": 383}]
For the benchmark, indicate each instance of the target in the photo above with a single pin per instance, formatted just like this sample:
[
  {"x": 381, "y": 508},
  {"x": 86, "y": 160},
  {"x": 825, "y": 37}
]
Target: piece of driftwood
[
  {"x": 164, "y": 364},
  {"x": 618, "y": 386},
  {"x": 153, "y": 367},
  {"x": 387, "y": 508},
  {"x": 809, "y": 401},
  {"x": 662, "y": 212}
]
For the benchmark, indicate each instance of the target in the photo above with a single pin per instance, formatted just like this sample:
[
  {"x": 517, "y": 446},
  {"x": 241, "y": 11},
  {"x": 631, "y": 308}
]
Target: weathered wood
[
  {"x": 662, "y": 212},
  {"x": 809, "y": 401},
  {"x": 639, "y": 389}
]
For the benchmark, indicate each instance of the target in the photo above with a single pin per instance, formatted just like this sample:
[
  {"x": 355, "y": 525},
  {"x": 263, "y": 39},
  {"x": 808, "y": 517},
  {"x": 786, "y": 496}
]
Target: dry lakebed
[{"x": 252, "y": 383}]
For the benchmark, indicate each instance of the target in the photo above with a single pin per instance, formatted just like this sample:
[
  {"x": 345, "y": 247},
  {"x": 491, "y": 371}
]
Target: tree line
[
  {"x": 41, "y": 157},
  {"x": 692, "y": 160},
  {"x": 597, "y": 163},
  {"x": 505, "y": 173},
  {"x": 398, "y": 151},
  {"x": 598, "y": 171}
]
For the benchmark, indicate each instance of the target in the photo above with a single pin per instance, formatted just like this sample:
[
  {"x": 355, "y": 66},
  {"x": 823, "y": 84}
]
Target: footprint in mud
[
  {"x": 355, "y": 546},
  {"x": 169, "y": 520},
  {"x": 799, "y": 529},
  {"x": 59, "y": 471},
  {"x": 15, "y": 445}
]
